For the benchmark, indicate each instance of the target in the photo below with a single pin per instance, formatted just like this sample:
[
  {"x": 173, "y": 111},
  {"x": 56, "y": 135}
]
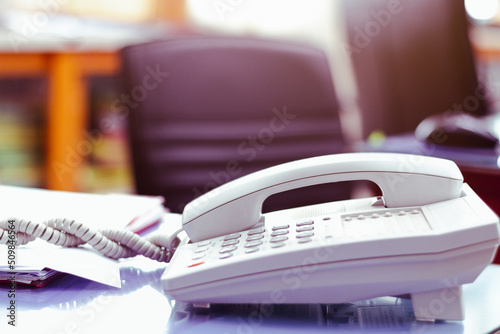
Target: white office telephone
[{"x": 426, "y": 236}]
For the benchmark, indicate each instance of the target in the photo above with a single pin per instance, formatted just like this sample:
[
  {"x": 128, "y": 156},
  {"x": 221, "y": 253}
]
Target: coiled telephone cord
[{"x": 114, "y": 244}]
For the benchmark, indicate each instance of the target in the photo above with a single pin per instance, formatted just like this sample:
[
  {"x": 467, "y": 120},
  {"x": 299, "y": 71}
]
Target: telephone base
[
  {"x": 428, "y": 306},
  {"x": 442, "y": 304}
]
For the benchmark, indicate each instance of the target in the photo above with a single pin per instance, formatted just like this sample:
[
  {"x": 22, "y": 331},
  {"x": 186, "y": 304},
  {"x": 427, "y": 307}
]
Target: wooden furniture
[
  {"x": 67, "y": 141},
  {"x": 66, "y": 66}
]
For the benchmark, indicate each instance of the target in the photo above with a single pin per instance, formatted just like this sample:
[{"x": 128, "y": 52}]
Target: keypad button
[
  {"x": 304, "y": 240},
  {"x": 201, "y": 250},
  {"x": 257, "y": 230},
  {"x": 196, "y": 264},
  {"x": 279, "y": 238},
  {"x": 278, "y": 244},
  {"x": 225, "y": 256},
  {"x": 374, "y": 216},
  {"x": 305, "y": 222},
  {"x": 254, "y": 243},
  {"x": 228, "y": 249},
  {"x": 280, "y": 227},
  {"x": 251, "y": 250},
  {"x": 230, "y": 242},
  {"x": 279, "y": 232},
  {"x": 198, "y": 256},
  {"x": 232, "y": 236},
  {"x": 387, "y": 214},
  {"x": 305, "y": 234},
  {"x": 305, "y": 228},
  {"x": 203, "y": 243},
  {"x": 255, "y": 237},
  {"x": 347, "y": 219},
  {"x": 361, "y": 217}
]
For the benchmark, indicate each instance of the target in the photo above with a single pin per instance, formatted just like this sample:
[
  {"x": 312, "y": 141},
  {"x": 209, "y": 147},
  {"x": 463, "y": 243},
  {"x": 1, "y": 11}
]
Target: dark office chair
[
  {"x": 204, "y": 110},
  {"x": 411, "y": 61}
]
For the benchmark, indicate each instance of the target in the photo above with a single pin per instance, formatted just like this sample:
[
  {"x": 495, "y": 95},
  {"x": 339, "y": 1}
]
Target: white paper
[
  {"x": 114, "y": 211},
  {"x": 78, "y": 261}
]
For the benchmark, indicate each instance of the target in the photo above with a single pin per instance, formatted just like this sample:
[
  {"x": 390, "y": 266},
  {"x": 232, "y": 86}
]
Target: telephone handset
[
  {"x": 404, "y": 180},
  {"x": 426, "y": 236}
]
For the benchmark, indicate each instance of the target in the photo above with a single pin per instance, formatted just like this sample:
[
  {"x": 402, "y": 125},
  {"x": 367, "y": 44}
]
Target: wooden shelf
[{"x": 67, "y": 110}]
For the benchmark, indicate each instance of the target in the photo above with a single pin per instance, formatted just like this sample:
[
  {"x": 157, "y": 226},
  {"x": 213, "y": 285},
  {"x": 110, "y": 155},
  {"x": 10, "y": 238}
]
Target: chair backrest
[{"x": 204, "y": 110}]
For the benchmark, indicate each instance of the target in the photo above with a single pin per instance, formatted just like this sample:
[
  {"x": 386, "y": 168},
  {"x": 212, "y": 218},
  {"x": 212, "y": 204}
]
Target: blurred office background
[{"x": 393, "y": 64}]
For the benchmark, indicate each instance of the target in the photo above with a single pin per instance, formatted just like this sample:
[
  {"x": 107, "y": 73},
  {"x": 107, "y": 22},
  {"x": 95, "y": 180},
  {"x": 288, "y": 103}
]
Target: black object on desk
[{"x": 459, "y": 130}]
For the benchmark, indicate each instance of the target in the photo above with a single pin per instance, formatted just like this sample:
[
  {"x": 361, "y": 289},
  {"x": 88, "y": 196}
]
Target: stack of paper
[
  {"x": 30, "y": 276},
  {"x": 34, "y": 261}
]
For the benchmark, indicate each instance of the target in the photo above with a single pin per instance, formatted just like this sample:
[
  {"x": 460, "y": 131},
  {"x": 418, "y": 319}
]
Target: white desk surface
[{"x": 74, "y": 305}]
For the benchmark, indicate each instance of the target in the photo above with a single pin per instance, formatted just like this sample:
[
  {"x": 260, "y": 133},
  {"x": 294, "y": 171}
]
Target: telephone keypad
[
  {"x": 279, "y": 237},
  {"x": 263, "y": 238},
  {"x": 257, "y": 238},
  {"x": 306, "y": 231}
]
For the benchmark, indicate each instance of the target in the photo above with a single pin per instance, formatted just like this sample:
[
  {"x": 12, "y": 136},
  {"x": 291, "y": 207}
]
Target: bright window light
[
  {"x": 278, "y": 16},
  {"x": 481, "y": 10}
]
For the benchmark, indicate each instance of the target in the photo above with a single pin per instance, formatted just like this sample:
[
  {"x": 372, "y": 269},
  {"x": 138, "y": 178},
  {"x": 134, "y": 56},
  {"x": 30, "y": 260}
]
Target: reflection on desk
[{"x": 75, "y": 305}]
